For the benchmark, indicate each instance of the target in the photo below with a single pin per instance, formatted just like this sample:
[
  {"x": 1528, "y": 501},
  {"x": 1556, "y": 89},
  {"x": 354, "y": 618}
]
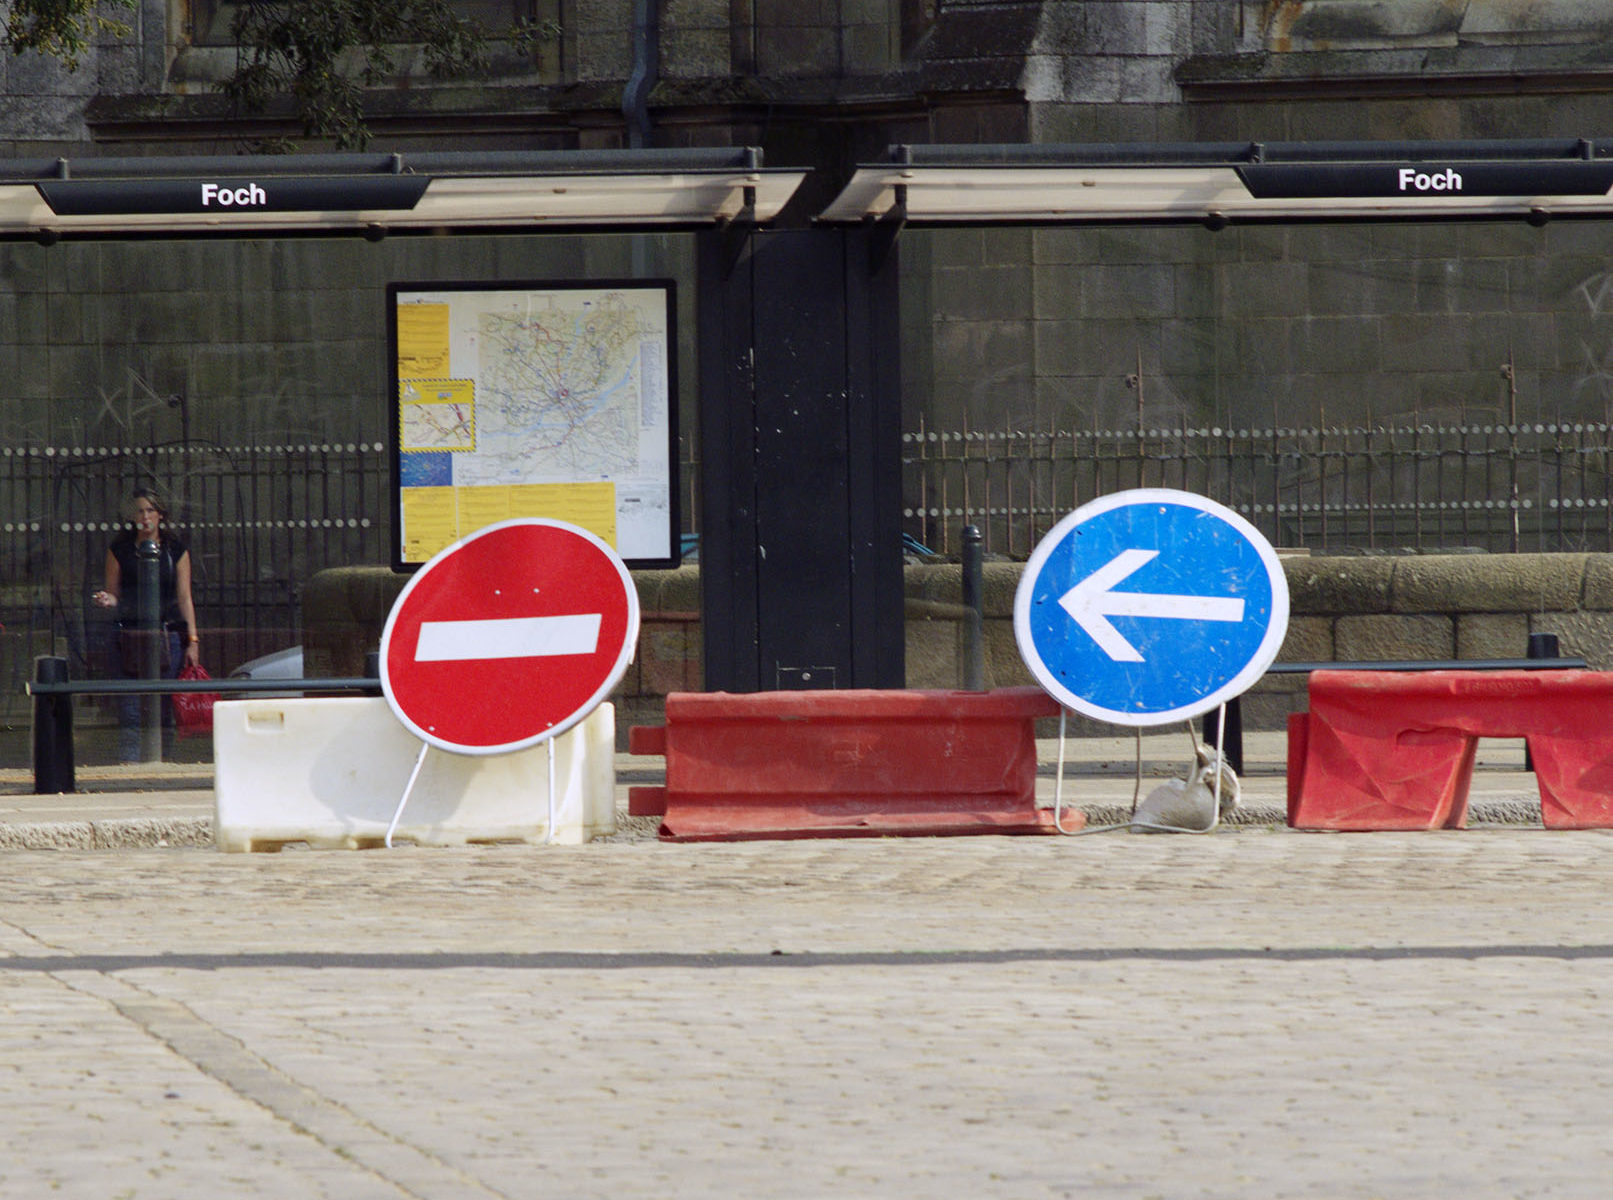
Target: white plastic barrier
[{"x": 330, "y": 772}]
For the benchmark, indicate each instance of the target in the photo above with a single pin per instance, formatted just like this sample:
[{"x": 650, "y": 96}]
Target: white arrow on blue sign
[{"x": 1150, "y": 606}]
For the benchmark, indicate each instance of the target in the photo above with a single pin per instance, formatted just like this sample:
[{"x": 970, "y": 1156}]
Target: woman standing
[{"x": 179, "y": 640}]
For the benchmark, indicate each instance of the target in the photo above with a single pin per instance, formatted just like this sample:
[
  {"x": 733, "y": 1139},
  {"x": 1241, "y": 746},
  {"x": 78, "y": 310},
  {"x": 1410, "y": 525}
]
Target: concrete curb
[
  {"x": 131, "y": 833},
  {"x": 118, "y": 833},
  {"x": 1516, "y": 814}
]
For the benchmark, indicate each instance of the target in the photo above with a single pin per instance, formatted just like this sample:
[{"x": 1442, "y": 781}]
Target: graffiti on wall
[{"x": 1595, "y": 378}]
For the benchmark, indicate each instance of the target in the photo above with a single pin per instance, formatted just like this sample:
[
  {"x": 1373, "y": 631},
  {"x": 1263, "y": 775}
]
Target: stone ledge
[
  {"x": 1508, "y": 582},
  {"x": 1388, "y": 72},
  {"x": 1467, "y": 606},
  {"x": 344, "y": 610}
]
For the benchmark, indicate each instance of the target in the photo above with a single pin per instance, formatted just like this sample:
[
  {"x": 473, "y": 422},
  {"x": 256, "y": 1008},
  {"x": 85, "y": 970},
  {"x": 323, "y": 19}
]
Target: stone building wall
[
  {"x": 246, "y": 380},
  {"x": 1303, "y": 326},
  {"x": 1042, "y": 329},
  {"x": 823, "y": 82},
  {"x": 1003, "y": 329},
  {"x": 260, "y": 338}
]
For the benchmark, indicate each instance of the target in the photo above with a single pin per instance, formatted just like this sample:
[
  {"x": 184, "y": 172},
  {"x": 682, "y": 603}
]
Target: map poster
[{"x": 546, "y": 399}]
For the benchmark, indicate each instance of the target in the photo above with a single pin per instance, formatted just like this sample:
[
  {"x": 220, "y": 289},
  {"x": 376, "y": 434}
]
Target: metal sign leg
[
  {"x": 1219, "y": 765},
  {"x": 1058, "y": 779},
  {"x": 407, "y": 788},
  {"x": 548, "y": 834}
]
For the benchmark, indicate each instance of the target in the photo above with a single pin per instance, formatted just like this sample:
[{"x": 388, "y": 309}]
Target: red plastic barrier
[
  {"x": 846, "y": 764},
  {"x": 1391, "y": 750}
]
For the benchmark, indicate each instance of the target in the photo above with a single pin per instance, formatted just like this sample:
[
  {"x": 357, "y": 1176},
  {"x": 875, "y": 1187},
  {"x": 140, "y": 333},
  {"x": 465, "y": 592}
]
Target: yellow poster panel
[
  {"x": 430, "y": 521},
  {"x": 436, "y": 414},
  {"x": 422, "y": 341},
  {"x": 590, "y": 505},
  {"x": 480, "y": 507}
]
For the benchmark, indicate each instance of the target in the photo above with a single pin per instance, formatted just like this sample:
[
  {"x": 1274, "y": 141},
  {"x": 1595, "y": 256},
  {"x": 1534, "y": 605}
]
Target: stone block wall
[
  {"x": 345, "y": 610},
  {"x": 1390, "y": 326},
  {"x": 1461, "y": 606},
  {"x": 1342, "y": 609}
]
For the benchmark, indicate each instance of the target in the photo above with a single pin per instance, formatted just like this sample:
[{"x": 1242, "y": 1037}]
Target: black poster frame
[{"x": 668, "y": 289}]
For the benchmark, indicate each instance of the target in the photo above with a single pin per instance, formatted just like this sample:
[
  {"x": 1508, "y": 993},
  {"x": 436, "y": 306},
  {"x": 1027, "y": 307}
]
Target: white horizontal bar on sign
[{"x": 515, "y": 637}]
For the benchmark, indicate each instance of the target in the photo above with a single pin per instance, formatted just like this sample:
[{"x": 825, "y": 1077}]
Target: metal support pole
[
  {"x": 53, "y": 731},
  {"x": 974, "y": 648},
  {"x": 151, "y": 635},
  {"x": 407, "y": 789},
  {"x": 1541, "y": 645}
]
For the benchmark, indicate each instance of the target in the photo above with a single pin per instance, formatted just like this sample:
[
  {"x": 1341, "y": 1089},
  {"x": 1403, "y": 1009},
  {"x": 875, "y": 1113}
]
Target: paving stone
[{"x": 1250, "y": 1012}]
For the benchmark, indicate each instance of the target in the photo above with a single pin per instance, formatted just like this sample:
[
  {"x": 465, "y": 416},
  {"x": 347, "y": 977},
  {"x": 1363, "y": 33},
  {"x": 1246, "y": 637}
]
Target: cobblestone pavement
[{"x": 1255, "y": 1013}]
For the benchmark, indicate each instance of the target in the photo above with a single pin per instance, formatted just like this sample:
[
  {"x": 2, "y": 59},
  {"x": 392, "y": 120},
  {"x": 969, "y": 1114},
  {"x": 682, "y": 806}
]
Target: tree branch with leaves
[
  {"x": 62, "y": 29},
  {"x": 324, "y": 54}
]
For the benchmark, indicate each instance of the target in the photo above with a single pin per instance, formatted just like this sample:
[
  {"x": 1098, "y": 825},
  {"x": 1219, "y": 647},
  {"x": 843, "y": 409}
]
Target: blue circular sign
[{"x": 1150, "y": 606}]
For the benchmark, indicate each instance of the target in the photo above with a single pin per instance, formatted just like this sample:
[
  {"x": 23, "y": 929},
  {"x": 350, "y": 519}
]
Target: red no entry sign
[{"x": 509, "y": 637}]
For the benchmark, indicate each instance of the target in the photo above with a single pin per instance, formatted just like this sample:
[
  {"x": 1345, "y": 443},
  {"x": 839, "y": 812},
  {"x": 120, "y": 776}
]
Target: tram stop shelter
[
  {"x": 797, "y": 337},
  {"x": 797, "y": 385}
]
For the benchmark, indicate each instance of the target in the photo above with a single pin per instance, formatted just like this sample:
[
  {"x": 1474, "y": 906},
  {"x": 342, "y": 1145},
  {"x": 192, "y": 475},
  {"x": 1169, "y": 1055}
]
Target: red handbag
[{"x": 193, "y": 711}]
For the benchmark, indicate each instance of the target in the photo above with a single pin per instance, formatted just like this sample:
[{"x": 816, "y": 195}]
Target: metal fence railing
[
  {"x": 259, "y": 520},
  {"x": 262, "y": 518},
  {"x": 1401, "y": 487}
]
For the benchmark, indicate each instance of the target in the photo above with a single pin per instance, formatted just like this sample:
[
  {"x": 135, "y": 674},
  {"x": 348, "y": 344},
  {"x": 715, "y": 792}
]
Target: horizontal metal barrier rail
[
  {"x": 53, "y": 712},
  {"x": 1433, "y": 664},
  {"x": 1233, "y": 739},
  {"x": 53, "y": 693},
  {"x": 223, "y": 687}
]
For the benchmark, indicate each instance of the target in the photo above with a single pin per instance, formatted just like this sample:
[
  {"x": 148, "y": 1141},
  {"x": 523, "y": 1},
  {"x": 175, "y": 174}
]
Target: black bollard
[
  {"x": 152, "y": 637},
  {"x": 1541, "y": 645},
  {"x": 974, "y": 647},
  {"x": 53, "y": 732}
]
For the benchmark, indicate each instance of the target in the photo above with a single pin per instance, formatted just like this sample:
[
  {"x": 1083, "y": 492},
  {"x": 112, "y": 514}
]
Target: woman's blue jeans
[{"x": 131, "y": 708}]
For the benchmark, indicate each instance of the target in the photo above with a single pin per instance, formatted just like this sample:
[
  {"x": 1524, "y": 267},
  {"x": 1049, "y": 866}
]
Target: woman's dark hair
[{"x": 153, "y": 498}]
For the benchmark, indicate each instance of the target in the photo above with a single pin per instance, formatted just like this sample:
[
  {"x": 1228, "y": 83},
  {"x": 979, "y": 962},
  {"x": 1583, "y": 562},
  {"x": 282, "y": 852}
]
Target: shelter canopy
[
  {"x": 375, "y": 194},
  {"x": 1218, "y": 183}
]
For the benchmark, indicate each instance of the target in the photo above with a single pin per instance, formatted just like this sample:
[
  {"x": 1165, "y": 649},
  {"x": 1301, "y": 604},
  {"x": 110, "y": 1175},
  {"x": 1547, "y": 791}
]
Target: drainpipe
[{"x": 646, "y": 63}]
